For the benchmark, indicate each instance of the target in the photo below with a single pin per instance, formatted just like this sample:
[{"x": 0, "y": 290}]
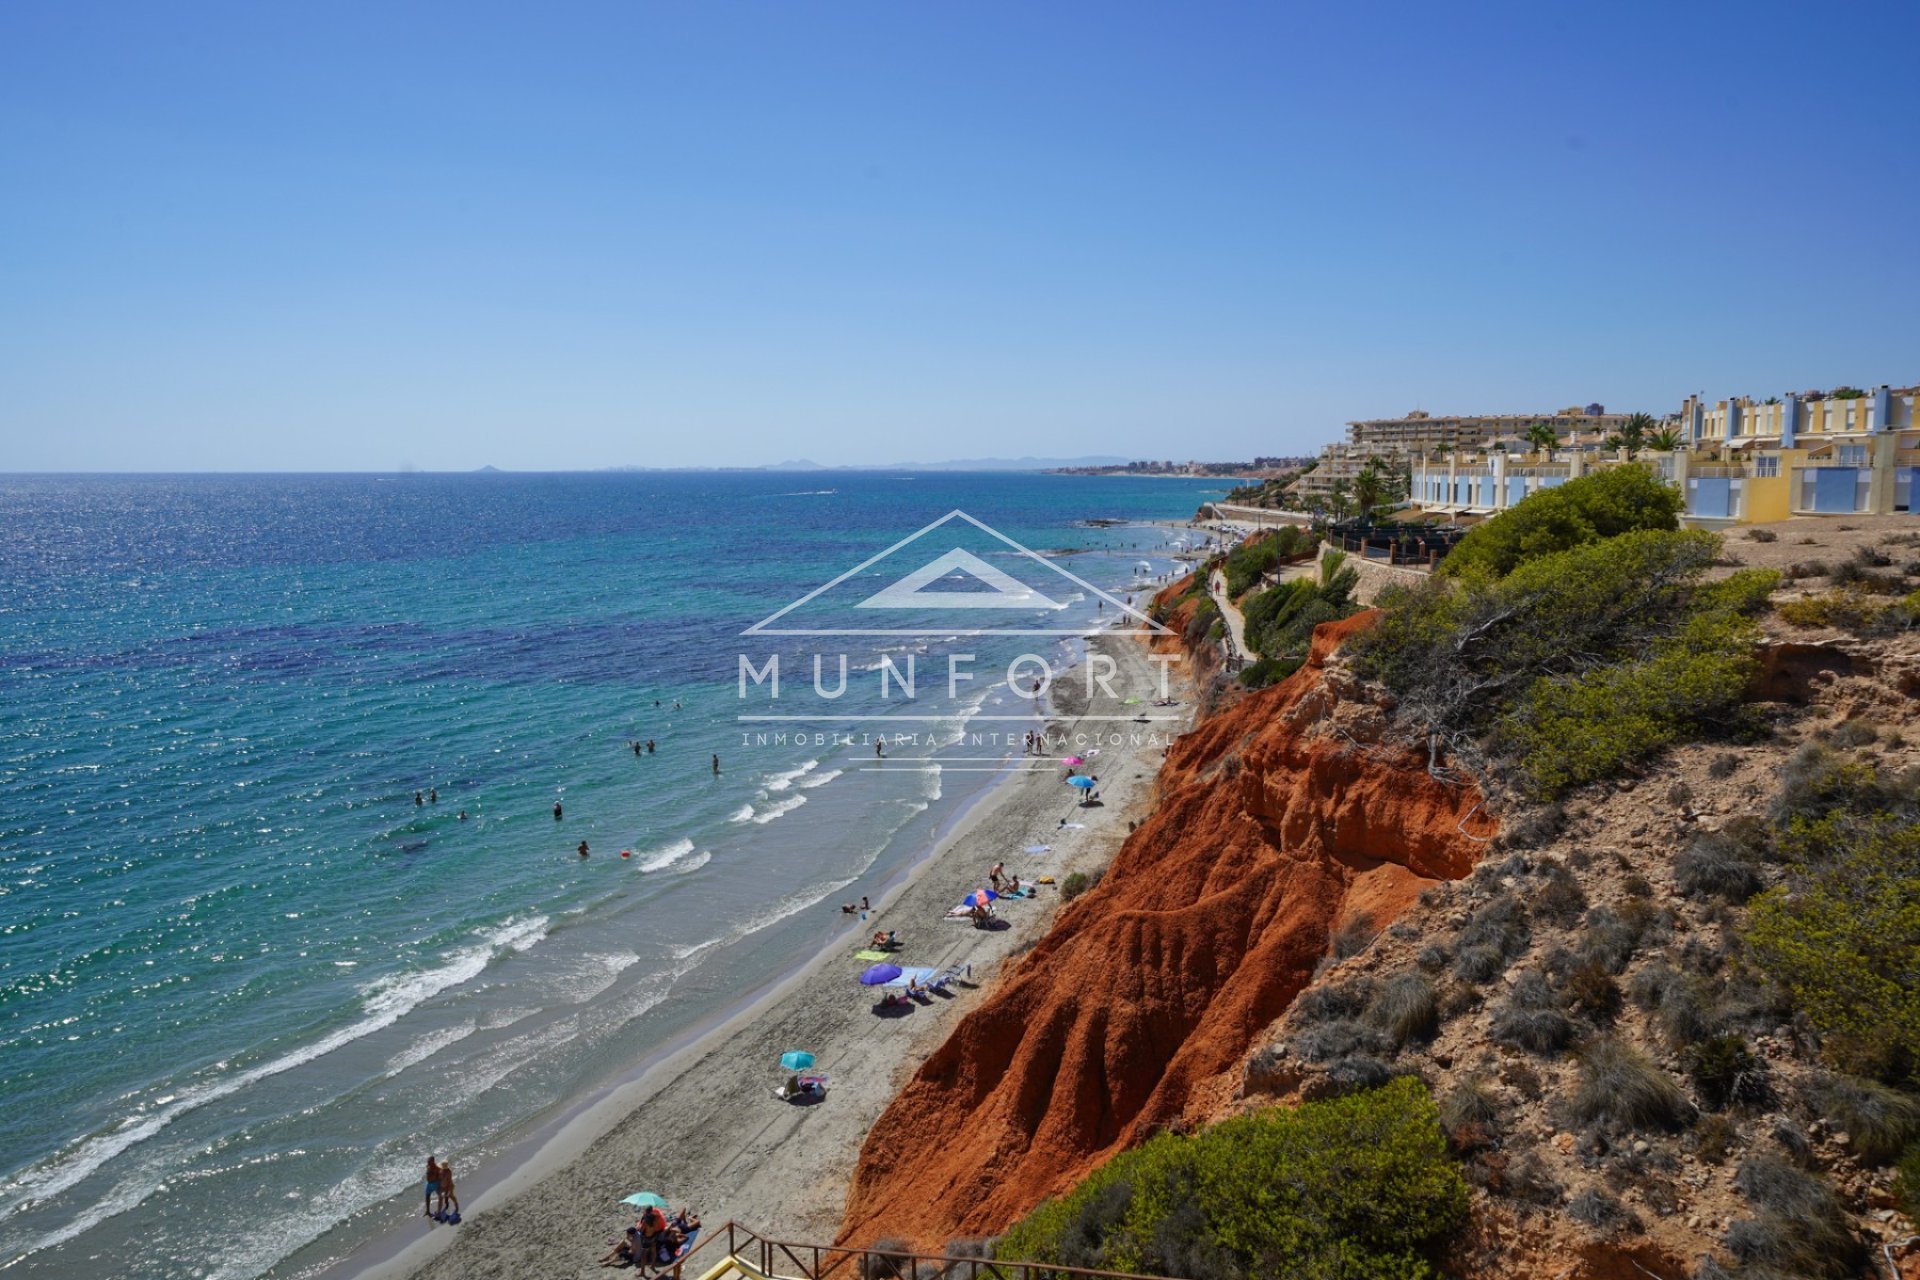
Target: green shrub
[
  {"x": 1843, "y": 937},
  {"x": 1262, "y": 554},
  {"x": 1354, "y": 1188},
  {"x": 1906, "y": 1182},
  {"x": 1575, "y": 665},
  {"x": 1077, "y": 883},
  {"x": 1603, "y": 505},
  {"x": 1268, "y": 671}
]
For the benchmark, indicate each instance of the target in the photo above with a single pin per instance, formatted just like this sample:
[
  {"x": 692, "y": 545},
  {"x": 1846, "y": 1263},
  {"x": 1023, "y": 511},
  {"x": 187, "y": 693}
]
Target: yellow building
[{"x": 1844, "y": 452}]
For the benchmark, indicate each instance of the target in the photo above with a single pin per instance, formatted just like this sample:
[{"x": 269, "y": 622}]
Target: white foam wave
[
  {"x": 781, "y": 781},
  {"x": 666, "y": 855},
  {"x": 385, "y": 1002},
  {"x": 694, "y": 863},
  {"x": 428, "y": 1045},
  {"x": 778, "y": 808},
  {"x": 743, "y": 814},
  {"x": 820, "y": 779}
]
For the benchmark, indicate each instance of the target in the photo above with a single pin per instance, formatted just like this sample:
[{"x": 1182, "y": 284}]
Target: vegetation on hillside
[
  {"x": 1263, "y": 553},
  {"x": 1281, "y": 619},
  {"x": 1603, "y": 505},
  {"x": 1357, "y": 1188},
  {"x": 1576, "y": 664},
  {"x": 1842, "y": 932}
]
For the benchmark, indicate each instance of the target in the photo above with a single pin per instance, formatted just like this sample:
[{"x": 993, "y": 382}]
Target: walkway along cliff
[{"x": 1281, "y": 820}]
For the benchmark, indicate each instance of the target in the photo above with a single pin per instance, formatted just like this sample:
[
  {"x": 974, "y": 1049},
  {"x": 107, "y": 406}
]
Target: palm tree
[
  {"x": 1542, "y": 437},
  {"x": 1633, "y": 436},
  {"x": 1665, "y": 440}
]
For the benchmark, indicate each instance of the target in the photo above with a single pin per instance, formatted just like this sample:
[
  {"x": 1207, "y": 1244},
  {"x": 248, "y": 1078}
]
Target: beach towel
[
  {"x": 870, "y": 955},
  {"x": 1039, "y": 848},
  {"x": 912, "y": 975}
]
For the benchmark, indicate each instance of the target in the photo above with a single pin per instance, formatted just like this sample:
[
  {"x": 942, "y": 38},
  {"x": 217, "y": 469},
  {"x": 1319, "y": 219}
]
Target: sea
[{"x": 284, "y": 901}]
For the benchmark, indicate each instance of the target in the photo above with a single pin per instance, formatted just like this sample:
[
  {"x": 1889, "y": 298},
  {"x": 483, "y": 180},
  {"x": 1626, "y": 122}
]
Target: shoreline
[{"x": 697, "y": 1122}]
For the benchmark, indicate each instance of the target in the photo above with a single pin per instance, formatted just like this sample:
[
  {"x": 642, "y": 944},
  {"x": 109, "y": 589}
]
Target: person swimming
[
  {"x": 556, "y": 811},
  {"x": 583, "y": 848}
]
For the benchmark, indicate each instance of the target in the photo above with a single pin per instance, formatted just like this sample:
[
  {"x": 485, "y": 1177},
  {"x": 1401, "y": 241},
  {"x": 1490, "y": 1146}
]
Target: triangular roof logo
[
  {"x": 910, "y": 592},
  {"x": 1001, "y": 590}
]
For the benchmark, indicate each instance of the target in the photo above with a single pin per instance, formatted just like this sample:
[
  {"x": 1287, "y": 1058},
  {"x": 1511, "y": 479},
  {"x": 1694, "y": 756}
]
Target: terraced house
[{"x": 1739, "y": 461}]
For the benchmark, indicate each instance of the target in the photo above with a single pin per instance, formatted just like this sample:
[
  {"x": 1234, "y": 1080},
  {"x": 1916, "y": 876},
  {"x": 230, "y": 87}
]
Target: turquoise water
[{"x": 246, "y": 982}]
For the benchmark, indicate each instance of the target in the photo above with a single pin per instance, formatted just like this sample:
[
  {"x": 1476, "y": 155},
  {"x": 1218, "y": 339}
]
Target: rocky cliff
[{"x": 1283, "y": 823}]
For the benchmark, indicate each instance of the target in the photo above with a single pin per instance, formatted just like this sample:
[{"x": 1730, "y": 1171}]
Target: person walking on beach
[
  {"x": 433, "y": 1186},
  {"x": 447, "y": 1196},
  {"x": 879, "y": 749},
  {"x": 993, "y": 876}
]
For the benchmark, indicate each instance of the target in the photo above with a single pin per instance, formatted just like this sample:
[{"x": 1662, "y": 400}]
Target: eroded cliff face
[{"x": 1281, "y": 818}]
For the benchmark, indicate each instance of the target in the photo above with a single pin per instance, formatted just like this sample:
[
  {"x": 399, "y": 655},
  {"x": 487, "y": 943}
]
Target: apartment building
[{"x": 1841, "y": 452}]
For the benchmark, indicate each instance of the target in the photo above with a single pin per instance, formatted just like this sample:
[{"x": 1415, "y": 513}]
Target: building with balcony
[{"x": 1743, "y": 462}]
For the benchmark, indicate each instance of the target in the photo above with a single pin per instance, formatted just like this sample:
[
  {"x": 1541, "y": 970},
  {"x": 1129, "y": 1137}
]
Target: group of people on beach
[
  {"x": 440, "y": 1193},
  {"x": 655, "y": 1240}
]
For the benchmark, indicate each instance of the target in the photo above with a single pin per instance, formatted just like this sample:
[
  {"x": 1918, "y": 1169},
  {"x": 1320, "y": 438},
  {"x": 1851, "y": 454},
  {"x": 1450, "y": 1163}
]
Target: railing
[{"x": 790, "y": 1260}]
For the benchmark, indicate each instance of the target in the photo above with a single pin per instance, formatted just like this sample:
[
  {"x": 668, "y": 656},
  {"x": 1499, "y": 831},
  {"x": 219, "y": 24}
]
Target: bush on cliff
[
  {"x": 1262, "y": 554},
  {"x": 1843, "y": 937},
  {"x": 1603, "y": 505},
  {"x": 1576, "y": 664},
  {"x": 1357, "y": 1187},
  {"x": 1281, "y": 619}
]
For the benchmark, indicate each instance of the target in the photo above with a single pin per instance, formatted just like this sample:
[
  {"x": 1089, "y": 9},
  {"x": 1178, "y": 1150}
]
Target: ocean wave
[
  {"x": 781, "y": 781},
  {"x": 743, "y": 814},
  {"x": 428, "y": 1045},
  {"x": 821, "y": 780},
  {"x": 666, "y": 855},
  {"x": 385, "y": 1002},
  {"x": 778, "y": 808},
  {"x": 805, "y": 493},
  {"x": 589, "y": 977}
]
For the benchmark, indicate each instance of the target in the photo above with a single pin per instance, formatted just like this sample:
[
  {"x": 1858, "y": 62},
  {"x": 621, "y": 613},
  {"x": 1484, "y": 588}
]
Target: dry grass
[{"x": 1620, "y": 1087}]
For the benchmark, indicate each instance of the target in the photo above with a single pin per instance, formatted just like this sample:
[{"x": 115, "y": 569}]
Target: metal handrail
[{"x": 818, "y": 1262}]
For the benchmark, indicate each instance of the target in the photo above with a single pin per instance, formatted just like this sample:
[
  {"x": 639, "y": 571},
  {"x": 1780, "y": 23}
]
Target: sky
[{"x": 372, "y": 236}]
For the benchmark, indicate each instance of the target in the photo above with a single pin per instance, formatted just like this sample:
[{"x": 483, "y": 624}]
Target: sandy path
[{"x": 705, "y": 1129}]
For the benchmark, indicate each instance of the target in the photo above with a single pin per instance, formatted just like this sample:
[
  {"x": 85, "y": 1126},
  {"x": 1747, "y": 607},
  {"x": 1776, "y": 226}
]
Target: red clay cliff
[{"x": 1279, "y": 819}]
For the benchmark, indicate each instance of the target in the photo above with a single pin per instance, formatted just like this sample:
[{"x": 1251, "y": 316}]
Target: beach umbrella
[
  {"x": 796, "y": 1060},
  {"x": 878, "y": 974},
  {"x": 979, "y": 898},
  {"x": 1085, "y": 784},
  {"x": 1073, "y": 760},
  {"x": 645, "y": 1200}
]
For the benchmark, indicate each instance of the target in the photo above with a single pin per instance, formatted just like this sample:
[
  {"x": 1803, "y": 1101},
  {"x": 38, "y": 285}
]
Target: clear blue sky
[{"x": 363, "y": 235}]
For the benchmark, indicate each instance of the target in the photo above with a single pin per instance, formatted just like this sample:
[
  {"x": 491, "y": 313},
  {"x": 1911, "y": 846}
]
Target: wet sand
[{"x": 703, "y": 1128}]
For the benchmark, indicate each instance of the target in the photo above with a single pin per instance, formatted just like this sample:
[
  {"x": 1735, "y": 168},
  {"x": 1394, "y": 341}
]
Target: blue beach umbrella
[
  {"x": 645, "y": 1200},
  {"x": 796, "y": 1060},
  {"x": 1085, "y": 784},
  {"x": 879, "y": 974}
]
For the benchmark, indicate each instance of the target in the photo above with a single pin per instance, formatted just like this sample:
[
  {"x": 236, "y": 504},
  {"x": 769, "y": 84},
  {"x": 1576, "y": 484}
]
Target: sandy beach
[{"x": 704, "y": 1128}]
